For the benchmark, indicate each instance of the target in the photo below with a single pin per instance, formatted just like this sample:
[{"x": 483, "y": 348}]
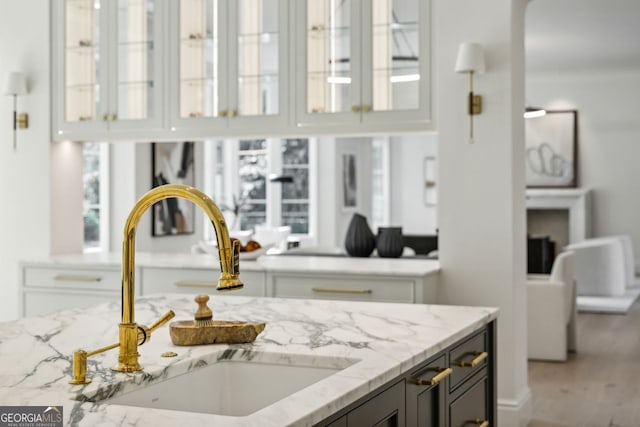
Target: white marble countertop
[
  {"x": 385, "y": 340},
  {"x": 267, "y": 263}
]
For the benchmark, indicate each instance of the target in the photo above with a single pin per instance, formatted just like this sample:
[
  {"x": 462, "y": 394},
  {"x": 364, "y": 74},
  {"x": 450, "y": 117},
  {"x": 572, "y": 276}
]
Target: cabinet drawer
[
  {"x": 73, "y": 278},
  {"x": 470, "y": 409},
  {"x": 342, "y": 288},
  {"x": 468, "y": 358},
  {"x": 196, "y": 281},
  {"x": 38, "y": 302}
]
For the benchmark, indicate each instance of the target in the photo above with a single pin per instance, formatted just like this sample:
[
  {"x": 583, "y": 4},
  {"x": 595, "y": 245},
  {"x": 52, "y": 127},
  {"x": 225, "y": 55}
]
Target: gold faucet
[{"x": 130, "y": 334}]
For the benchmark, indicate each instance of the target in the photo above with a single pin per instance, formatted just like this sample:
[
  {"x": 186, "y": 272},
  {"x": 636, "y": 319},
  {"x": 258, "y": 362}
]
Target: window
[
  {"x": 95, "y": 190},
  {"x": 380, "y": 183},
  {"x": 262, "y": 181}
]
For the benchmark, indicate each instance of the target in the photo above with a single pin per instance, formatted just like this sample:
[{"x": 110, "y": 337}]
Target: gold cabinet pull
[
  {"x": 192, "y": 283},
  {"x": 113, "y": 117},
  {"x": 479, "y": 357},
  {"x": 356, "y": 108},
  {"x": 342, "y": 291},
  {"x": 233, "y": 113},
  {"x": 366, "y": 108},
  {"x": 105, "y": 117},
  {"x": 73, "y": 278},
  {"x": 442, "y": 374},
  {"x": 223, "y": 113},
  {"x": 481, "y": 423}
]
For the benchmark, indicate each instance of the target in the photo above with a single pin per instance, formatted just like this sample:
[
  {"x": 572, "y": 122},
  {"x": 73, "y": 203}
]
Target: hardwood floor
[{"x": 599, "y": 386}]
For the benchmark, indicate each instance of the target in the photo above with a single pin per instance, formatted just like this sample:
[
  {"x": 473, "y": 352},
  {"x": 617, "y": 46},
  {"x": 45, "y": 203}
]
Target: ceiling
[{"x": 562, "y": 35}]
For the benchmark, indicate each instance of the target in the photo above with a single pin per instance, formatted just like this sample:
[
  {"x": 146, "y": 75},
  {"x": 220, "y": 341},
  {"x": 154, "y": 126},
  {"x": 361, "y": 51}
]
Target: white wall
[
  {"x": 608, "y": 140},
  {"x": 66, "y": 186},
  {"x": 333, "y": 219},
  {"x": 481, "y": 199},
  {"x": 408, "y": 207},
  {"x": 24, "y": 174}
]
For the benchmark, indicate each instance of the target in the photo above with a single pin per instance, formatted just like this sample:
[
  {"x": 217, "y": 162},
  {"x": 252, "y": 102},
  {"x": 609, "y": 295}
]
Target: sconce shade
[
  {"x": 534, "y": 112},
  {"x": 470, "y": 58},
  {"x": 16, "y": 84}
]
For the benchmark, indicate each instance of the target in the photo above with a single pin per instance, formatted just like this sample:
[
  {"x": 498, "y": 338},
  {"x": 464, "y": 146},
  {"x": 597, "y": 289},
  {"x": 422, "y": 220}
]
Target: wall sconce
[
  {"x": 471, "y": 60},
  {"x": 17, "y": 85}
]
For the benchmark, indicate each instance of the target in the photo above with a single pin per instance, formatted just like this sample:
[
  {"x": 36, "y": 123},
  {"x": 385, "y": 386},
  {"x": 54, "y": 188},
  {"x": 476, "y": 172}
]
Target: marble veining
[{"x": 373, "y": 342}]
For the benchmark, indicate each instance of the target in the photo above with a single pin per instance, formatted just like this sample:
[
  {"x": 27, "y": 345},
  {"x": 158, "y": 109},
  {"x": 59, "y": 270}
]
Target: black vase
[
  {"x": 390, "y": 244},
  {"x": 360, "y": 241}
]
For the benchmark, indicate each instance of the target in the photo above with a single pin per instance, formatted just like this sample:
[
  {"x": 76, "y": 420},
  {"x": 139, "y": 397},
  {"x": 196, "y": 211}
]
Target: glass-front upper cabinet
[
  {"x": 230, "y": 63},
  {"x": 364, "y": 61},
  {"x": 107, "y": 67}
]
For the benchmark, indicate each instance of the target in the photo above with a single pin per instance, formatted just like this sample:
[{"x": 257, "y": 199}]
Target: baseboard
[{"x": 515, "y": 412}]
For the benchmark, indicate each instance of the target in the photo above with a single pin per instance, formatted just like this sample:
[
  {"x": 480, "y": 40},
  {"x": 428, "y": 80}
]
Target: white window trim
[{"x": 104, "y": 205}]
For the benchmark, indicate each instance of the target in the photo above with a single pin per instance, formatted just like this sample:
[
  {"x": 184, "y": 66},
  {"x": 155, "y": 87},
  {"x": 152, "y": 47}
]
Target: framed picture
[
  {"x": 349, "y": 182},
  {"x": 550, "y": 149},
  {"x": 172, "y": 163}
]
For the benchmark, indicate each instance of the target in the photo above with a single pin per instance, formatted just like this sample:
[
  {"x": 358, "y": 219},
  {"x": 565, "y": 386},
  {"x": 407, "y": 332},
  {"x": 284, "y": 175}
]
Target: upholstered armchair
[
  {"x": 604, "y": 266},
  {"x": 551, "y": 311}
]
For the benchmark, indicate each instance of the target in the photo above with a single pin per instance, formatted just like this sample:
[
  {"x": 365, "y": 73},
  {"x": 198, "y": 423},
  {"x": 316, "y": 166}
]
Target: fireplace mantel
[{"x": 576, "y": 200}]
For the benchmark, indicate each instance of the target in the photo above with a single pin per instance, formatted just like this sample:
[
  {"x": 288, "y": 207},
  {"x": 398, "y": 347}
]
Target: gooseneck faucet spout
[{"x": 229, "y": 254}]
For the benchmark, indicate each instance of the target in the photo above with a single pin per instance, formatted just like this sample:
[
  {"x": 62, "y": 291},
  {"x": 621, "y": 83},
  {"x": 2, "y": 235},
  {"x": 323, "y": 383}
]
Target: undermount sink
[{"x": 230, "y": 387}]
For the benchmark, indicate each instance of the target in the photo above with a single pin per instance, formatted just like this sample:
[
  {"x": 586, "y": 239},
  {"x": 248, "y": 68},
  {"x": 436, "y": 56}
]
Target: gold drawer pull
[
  {"x": 476, "y": 360},
  {"x": 356, "y": 108},
  {"x": 481, "y": 423},
  {"x": 342, "y": 291},
  {"x": 71, "y": 278},
  {"x": 189, "y": 283},
  {"x": 442, "y": 374}
]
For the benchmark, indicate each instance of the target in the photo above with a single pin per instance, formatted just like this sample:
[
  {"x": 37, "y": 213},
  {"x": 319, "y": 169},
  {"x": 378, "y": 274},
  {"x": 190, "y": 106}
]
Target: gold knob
[
  {"x": 113, "y": 117},
  {"x": 481, "y": 423},
  {"x": 366, "y": 108},
  {"x": 223, "y": 113},
  {"x": 233, "y": 113},
  {"x": 105, "y": 117},
  {"x": 356, "y": 108},
  {"x": 204, "y": 312}
]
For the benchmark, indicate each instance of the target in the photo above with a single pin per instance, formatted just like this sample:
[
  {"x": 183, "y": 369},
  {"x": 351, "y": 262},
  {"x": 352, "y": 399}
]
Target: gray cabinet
[{"x": 454, "y": 388}]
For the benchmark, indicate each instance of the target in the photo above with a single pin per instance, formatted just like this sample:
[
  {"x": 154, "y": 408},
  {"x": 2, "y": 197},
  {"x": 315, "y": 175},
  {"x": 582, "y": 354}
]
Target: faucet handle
[{"x": 144, "y": 333}]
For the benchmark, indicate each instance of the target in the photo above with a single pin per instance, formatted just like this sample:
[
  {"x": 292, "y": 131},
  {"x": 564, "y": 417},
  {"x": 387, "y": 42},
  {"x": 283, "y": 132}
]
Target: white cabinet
[
  {"x": 228, "y": 67},
  {"x": 196, "y": 281},
  {"x": 363, "y": 62},
  {"x": 49, "y": 288},
  {"x": 107, "y": 68},
  {"x": 356, "y": 287}
]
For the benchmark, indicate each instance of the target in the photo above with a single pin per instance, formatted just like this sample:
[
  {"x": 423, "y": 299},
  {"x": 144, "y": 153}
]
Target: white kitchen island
[{"x": 376, "y": 348}]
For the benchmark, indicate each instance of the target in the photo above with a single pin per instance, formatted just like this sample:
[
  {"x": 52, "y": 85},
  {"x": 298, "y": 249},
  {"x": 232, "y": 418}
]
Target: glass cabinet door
[
  {"x": 332, "y": 83},
  {"x": 200, "y": 58},
  {"x": 136, "y": 74},
  {"x": 395, "y": 55},
  {"x": 82, "y": 61},
  {"x": 257, "y": 58},
  {"x": 366, "y": 61},
  {"x": 230, "y": 58}
]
